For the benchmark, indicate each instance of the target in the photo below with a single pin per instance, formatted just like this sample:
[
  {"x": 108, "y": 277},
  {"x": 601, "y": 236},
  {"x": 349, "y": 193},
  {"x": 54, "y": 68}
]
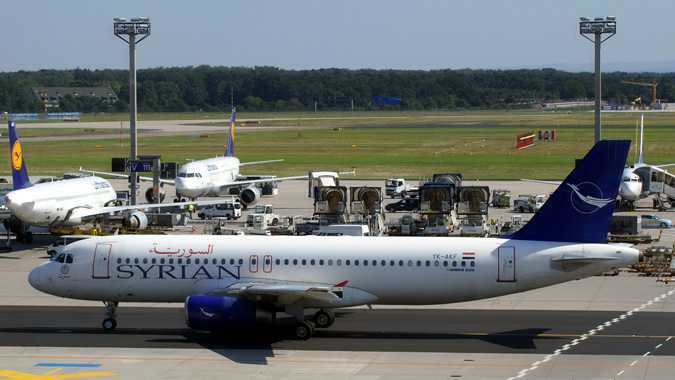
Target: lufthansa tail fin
[
  {"x": 581, "y": 208},
  {"x": 19, "y": 173},
  {"x": 229, "y": 149}
]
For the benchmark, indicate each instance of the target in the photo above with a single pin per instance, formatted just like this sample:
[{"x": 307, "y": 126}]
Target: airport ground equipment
[
  {"x": 501, "y": 198},
  {"x": 472, "y": 205},
  {"x": 366, "y": 206},
  {"x": 628, "y": 229},
  {"x": 529, "y": 203},
  {"x": 437, "y": 200},
  {"x": 229, "y": 209},
  {"x": 330, "y": 204},
  {"x": 263, "y": 217},
  {"x": 398, "y": 187}
]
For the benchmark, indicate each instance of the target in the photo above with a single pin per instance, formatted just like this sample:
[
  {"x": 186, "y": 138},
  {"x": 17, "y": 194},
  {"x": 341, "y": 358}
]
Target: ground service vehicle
[
  {"x": 410, "y": 204},
  {"x": 228, "y": 210},
  {"x": 263, "y": 215},
  {"x": 395, "y": 187},
  {"x": 529, "y": 203},
  {"x": 653, "y": 221}
]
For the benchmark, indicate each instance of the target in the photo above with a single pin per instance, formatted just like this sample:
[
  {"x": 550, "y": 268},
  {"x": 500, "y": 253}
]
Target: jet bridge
[{"x": 658, "y": 181}]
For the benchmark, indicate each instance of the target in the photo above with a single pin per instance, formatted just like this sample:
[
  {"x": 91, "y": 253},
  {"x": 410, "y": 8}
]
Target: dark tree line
[{"x": 271, "y": 89}]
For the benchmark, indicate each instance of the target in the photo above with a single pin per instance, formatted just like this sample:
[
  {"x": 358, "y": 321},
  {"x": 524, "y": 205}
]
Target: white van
[
  {"x": 228, "y": 210},
  {"x": 343, "y": 230},
  {"x": 64, "y": 241}
]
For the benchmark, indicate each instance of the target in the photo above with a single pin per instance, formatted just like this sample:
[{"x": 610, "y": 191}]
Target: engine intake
[
  {"x": 214, "y": 313},
  {"x": 249, "y": 195},
  {"x": 137, "y": 219},
  {"x": 149, "y": 193}
]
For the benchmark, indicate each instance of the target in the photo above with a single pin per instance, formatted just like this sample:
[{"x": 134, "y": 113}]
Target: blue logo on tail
[
  {"x": 19, "y": 173},
  {"x": 229, "y": 149}
]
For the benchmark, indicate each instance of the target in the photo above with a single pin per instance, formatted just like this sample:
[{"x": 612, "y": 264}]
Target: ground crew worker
[{"x": 190, "y": 209}]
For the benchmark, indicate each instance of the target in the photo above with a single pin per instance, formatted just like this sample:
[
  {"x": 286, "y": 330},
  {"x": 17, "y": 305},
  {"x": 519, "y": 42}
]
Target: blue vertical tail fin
[
  {"x": 19, "y": 173},
  {"x": 229, "y": 148},
  {"x": 581, "y": 207}
]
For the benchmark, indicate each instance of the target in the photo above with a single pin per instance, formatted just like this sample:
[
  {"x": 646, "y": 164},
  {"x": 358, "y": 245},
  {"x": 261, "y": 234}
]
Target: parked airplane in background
[
  {"x": 636, "y": 177},
  {"x": 230, "y": 282},
  {"x": 67, "y": 202},
  {"x": 213, "y": 176}
]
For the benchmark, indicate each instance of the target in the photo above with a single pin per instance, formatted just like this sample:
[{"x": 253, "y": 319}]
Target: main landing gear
[
  {"x": 110, "y": 323},
  {"x": 322, "y": 319}
]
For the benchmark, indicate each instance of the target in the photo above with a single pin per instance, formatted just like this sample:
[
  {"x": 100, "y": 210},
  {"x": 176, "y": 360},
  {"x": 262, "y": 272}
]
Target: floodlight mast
[
  {"x": 597, "y": 27},
  {"x": 136, "y": 27}
]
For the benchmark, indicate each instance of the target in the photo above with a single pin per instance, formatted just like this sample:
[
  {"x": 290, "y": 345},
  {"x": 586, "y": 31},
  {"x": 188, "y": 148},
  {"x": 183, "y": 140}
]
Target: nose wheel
[{"x": 110, "y": 323}]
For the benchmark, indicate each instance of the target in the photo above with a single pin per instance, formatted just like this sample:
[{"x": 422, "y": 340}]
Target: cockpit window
[{"x": 60, "y": 258}]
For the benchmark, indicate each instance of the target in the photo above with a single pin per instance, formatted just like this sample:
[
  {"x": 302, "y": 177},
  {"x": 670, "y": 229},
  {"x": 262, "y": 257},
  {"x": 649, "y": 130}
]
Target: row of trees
[{"x": 268, "y": 88}]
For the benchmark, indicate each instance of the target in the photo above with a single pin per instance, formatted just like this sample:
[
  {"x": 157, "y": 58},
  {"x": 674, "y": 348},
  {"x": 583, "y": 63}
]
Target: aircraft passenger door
[
  {"x": 102, "y": 261},
  {"x": 507, "y": 264}
]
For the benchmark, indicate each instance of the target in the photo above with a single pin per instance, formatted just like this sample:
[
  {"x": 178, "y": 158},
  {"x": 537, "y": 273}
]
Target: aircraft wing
[
  {"x": 284, "y": 292},
  {"x": 89, "y": 211},
  {"x": 557, "y": 183},
  {"x": 258, "y": 162},
  {"x": 275, "y": 179},
  {"x": 118, "y": 175}
]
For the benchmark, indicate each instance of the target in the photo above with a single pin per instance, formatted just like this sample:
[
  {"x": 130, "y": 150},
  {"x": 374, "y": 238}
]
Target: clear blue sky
[{"x": 354, "y": 34}]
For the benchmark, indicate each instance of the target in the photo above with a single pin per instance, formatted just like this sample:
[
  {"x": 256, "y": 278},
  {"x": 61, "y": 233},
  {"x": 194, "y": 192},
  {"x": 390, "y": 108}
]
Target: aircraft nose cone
[{"x": 34, "y": 278}]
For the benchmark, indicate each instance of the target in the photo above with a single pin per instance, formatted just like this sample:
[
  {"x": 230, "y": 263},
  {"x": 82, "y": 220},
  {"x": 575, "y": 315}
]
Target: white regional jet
[
  {"x": 232, "y": 282},
  {"x": 67, "y": 202},
  {"x": 212, "y": 176}
]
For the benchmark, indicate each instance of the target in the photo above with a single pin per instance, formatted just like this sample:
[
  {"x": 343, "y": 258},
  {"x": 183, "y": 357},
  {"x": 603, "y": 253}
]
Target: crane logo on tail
[
  {"x": 17, "y": 156},
  {"x": 586, "y": 198}
]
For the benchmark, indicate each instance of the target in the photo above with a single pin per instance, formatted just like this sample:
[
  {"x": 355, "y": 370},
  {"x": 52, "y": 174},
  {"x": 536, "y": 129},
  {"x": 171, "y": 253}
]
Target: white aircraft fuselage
[
  {"x": 207, "y": 177},
  {"x": 385, "y": 270},
  {"x": 47, "y": 204}
]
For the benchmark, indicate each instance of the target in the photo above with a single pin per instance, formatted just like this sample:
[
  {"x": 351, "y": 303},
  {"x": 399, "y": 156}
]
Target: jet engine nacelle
[
  {"x": 14, "y": 224},
  {"x": 137, "y": 219},
  {"x": 213, "y": 313},
  {"x": 148, "y": 195},
  {"x": 249, "y": 196}
]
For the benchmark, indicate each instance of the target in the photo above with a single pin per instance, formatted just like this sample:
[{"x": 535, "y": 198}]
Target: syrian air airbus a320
[{"x": 234, "y": 282}]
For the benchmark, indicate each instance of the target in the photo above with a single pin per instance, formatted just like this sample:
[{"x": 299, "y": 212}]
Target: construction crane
[{"x": 652, "y": 85}]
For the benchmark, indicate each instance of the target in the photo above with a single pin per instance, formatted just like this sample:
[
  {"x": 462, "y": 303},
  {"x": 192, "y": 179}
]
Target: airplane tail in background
[
  {"x": 581, "y": 207},
  {"x": 641, "y": 157},
  {"x": 19, "y": 173},
  {"x": 229, "y": 149}
]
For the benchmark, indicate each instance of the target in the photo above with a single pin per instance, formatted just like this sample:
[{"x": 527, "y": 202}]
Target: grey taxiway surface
[{"x": 600, "y": 327}]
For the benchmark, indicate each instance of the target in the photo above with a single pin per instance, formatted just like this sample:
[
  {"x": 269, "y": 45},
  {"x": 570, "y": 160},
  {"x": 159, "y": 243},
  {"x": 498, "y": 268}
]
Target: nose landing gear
[{"x": 110, "y": 323}]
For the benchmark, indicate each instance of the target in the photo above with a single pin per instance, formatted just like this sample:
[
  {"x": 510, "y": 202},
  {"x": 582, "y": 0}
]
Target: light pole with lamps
[
  {"x": 597, "y": 27},
  {"x": 136, "y": 27}
]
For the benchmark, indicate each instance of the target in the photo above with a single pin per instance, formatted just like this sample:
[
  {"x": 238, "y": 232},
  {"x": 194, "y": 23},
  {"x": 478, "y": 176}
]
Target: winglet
[
  {"x": 342, "y": 284},
  {"x": 229, "y": 149},
  {"x": 581, "y": 207},
  {"x": 19, "y": 173}
]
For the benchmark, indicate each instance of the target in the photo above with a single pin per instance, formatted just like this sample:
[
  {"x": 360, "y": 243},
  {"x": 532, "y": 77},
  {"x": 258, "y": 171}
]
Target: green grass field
[{"x": 377, "y": 153}]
